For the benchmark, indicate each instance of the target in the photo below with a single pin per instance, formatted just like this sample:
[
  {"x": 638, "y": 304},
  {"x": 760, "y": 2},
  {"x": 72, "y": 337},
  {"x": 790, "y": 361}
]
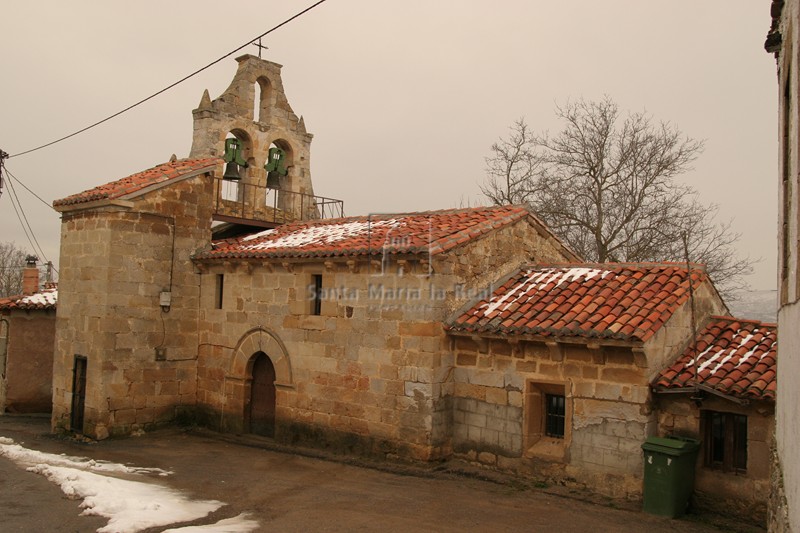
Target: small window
[
  {"x": 219, "y": 291},
  {"x": 316, "y": 294},
  {"x": 555, "y": 414},
  {"x": 547, "y": 420},
  {"x": 726, "y": 441}
]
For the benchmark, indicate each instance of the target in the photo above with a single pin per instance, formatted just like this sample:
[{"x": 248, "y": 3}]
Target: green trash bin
[{"x": 668, "y": 474}]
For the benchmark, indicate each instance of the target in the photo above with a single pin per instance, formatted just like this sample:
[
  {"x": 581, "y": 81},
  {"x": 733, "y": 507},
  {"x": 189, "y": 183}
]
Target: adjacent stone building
[
  {"x": 721, "y": 391},
  {"x": 552, "y": 372},
  {"x": 27, "y": 332},
  {"x": 783, "y": 40}
]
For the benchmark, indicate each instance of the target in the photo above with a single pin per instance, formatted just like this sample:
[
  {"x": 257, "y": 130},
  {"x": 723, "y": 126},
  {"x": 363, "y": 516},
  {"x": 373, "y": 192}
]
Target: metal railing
[{"x": 249, "y": 201}]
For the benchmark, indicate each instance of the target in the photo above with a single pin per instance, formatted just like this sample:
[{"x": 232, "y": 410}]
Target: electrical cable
[
  {"x": 15, "y": 197},
  {"x": 24, "y": 229},
  {"x": 35, "y": 247},
  {"x": 27, "y": 189},
  {"x": 248, "y": 43}
]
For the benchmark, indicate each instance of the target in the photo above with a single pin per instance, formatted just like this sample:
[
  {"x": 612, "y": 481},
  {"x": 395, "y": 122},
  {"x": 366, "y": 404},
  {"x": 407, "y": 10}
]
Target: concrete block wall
[
  {"x": 607, "y": 393},
  {"x": 487, "y": 428}
]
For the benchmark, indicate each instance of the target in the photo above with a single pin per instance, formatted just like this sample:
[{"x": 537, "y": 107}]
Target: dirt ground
[{"x": 293, "y": 492}]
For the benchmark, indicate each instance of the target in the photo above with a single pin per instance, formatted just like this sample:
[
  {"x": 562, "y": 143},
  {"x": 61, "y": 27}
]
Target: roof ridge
[
  {"x": 621, "y": 264},
  {"x": 746, "y": 320}
]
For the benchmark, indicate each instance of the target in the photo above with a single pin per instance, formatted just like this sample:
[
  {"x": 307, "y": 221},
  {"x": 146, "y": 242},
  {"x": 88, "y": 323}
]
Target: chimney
[{"x": 30, "y": 276}]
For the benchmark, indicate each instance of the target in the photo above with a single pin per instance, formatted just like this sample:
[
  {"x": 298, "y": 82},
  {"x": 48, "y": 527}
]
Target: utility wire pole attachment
[
  {"x": 696, "y": 395},
  {"x": 3, "y": 157}
]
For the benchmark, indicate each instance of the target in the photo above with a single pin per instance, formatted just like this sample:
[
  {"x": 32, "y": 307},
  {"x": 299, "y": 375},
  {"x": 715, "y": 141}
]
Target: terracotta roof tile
[
  {"x": 136, "y": 182},
  {"x": 735, "y": 357},
  {"x": 609, "y": 300},
  {"x": 45, "y": 299},
  {"x": 434, "y": 232}
]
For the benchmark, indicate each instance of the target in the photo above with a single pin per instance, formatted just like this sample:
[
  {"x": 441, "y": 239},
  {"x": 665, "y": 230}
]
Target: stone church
[{"x": 221, "y": 289}]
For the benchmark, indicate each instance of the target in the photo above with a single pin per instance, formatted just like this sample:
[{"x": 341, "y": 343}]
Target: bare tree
[
  {"x": 512, "y": 167},
  {"x": 12, "y": 261},
  {"x": 605, "y": 184}
]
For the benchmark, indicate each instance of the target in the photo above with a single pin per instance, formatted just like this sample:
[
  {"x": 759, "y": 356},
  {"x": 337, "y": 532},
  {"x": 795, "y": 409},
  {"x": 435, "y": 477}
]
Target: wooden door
[
  {"x": 262, "y": 397},
  {"x": 78, "y": 394}
]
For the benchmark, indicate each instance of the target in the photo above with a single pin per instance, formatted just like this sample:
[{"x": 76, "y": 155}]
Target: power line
[
  {"x": 19, "y": 217},
  {"x": 27, "y": 189},
  {"x": 14, "y": 196},
  {"x": 303, "y": 12}
]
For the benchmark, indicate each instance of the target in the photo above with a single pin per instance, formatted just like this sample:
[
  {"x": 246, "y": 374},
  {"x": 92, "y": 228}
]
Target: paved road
[{"x": 294, "y": 493}]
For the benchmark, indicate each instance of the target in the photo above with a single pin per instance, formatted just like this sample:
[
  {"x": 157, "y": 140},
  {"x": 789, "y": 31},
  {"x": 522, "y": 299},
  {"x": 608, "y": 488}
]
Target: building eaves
[
  {"x": 731, "y": 356},
  {"x": 139, "y": 183}
]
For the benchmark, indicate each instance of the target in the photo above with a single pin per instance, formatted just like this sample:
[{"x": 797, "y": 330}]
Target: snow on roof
[
  {"x": 538, "y": 280},
  {"x": 323, "y": 235},
  {"x": 736, "y": 357},
  {"x": 609, "y": 300},
  {"x": 430, "y": 232},
  {"x": 45, "y": 299}
]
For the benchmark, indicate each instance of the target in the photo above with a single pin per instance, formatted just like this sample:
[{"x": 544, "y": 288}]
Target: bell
[
  {"x": 273, "y": 180},
  {"x": 231, "y": 172}
]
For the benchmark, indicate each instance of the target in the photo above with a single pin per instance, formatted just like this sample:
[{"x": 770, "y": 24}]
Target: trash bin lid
[{"x": 670, "y": 445}]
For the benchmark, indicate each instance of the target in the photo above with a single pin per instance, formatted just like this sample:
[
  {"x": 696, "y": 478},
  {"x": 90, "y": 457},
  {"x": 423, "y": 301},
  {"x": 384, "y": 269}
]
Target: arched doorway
[{"x": 262, "y": 396}]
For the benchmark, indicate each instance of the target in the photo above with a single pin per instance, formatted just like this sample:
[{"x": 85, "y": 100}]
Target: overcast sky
[{"x": 404, "y": 98}]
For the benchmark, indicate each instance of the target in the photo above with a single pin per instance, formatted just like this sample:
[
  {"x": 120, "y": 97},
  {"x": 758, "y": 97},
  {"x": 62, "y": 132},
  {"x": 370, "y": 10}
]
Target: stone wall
[
  {"x": 373, "y": 372},
  {"x": 29, "y": 364},
  {"x": 609, "y": 415},
  {"x": 672, "y": 338},
  {"x": 486, "y": 261},
  {"x": 745, "y": 494},
  {"x": 366, "y": 374},
  {"x": 116, "y": 260}
]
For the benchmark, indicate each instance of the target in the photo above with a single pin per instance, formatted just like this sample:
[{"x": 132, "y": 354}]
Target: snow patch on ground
[
  {"x": 22, "y": 455},
  {"x": 237, "y": 524},
  {"x": 130, "y": 506}
]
